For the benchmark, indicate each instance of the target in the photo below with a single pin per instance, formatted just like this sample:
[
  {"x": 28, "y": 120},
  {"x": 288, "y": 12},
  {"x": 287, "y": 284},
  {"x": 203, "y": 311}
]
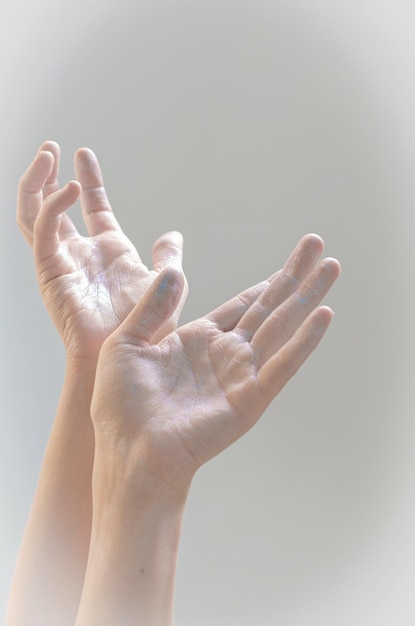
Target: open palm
[
  {"x": 90, "y": 284},
  {"x": 188, "y": 397}
]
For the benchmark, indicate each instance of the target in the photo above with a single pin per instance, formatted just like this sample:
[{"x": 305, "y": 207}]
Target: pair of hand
[{"x": 178, "y": 397}]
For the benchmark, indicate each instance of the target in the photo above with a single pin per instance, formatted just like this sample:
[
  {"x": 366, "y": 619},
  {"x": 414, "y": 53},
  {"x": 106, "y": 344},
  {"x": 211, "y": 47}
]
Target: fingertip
[
  {"x": 325, "y": 312},
  {"x": 46, "y": 157},
  {"x": 88, "y": 172},
  {"x": 313, "y": 238},
  {"x": 87, "y": 167},
  {"x": 332, "y": 265},
  {"x": 38, "y": 172},
  {"x": 175, "y": 234},
  {"x": 75, "y": 184},
  {"x": 338, "y": 265},
  {"x": 74, "y": 188},
  {"x": 172, "y": 236},
  {"x": 170, "y": 288},
  {"x": 50, "y": 152},
  {"x": 60, "y": 201},
  {"x": 168, "y": 250},
  {"x": 171, "y": 279},
  {"x": 155, "y": 308},
  {"x": 177, "y": 238},
  {"x": 85, "y": 153},
  {"x": 320, "y": 320},
  {"x": 304, "y": 256},
  {"x": 50, "y": 146}
]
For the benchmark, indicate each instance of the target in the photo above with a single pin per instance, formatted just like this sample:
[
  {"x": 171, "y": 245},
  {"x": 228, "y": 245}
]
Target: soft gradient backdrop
[{"x": 243, "y": 124}]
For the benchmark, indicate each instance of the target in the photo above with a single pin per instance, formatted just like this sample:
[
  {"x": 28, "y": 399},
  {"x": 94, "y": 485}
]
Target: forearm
[
  {"x": 51, "y": 566},
  {"x": 134, "y": 543}
]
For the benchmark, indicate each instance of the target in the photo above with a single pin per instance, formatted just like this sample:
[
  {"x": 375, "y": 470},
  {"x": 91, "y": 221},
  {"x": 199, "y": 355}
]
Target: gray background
[{"x": 244, "y": 125}]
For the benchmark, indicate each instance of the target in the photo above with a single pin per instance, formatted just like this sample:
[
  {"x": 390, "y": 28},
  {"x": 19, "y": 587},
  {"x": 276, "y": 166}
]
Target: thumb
[{"x": 155, "y": 307}]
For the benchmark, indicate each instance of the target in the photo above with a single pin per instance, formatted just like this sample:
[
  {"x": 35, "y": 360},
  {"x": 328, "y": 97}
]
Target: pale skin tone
[
  {"x": 161, "y": 410},
  {"x": 89, "y": 285},
  {"x": 162, "y": 401}
]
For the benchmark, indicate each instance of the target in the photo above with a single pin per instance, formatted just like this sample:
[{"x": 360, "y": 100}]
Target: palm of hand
[
  {"x": 95, "y": 282},
  {"x": 191, "y": 395},
  {"x": 198, "y": 391},
  {"x": 90, "y": 284}
]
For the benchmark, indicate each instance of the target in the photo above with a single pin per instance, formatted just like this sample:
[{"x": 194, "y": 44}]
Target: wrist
[
  {"x": 122, "y": 475},
  {"x": 82, "y": 349},
  {"x": 136, "y": 529},
  {"x": 80, "y": 377},
  {"x": 85, "y": 365},
  {"x": 74, "y": 409}
]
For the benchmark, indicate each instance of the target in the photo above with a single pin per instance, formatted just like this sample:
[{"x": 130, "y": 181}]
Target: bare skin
[
  {"x": 162, "y": 409},
  {"x": 89, "y": 285},
  {"x": 103, "y": 534}
]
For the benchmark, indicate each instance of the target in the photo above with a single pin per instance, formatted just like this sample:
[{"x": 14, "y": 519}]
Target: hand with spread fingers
[
  {"x": 161, "y": 410},
  {"x": 186, "y": 398},
  {"x": 90, "y": 283}
]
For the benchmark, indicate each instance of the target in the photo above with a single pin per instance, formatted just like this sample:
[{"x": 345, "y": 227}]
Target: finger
[
  {"x": 52, "y": 183},
  {"x": 154, "y": 309},
  {"x": 284, "y": 321},
  {"x": 167, "y": 250},
  {"x": 226, "y": 316},
  {"x": 67, "y": 228},
  {"x": 96, "y": 209},
  {"x": 282, "y": 366},
  {"x": 48, "y": 223},
  {"x": 30, "y": 192},
  {"x": 173, "y": 321},
  {"x": 299, "y": 264}
]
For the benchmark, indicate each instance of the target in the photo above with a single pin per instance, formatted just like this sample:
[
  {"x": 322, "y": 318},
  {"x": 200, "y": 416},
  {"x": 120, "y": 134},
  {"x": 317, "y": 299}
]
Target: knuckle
[{"x": 244, "y": 299}]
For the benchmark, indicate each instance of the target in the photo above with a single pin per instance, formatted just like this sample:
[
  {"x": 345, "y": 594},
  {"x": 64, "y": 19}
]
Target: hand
[
  {"x": 89, "y": 284},
  {"x": 170, "y": 407}
]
